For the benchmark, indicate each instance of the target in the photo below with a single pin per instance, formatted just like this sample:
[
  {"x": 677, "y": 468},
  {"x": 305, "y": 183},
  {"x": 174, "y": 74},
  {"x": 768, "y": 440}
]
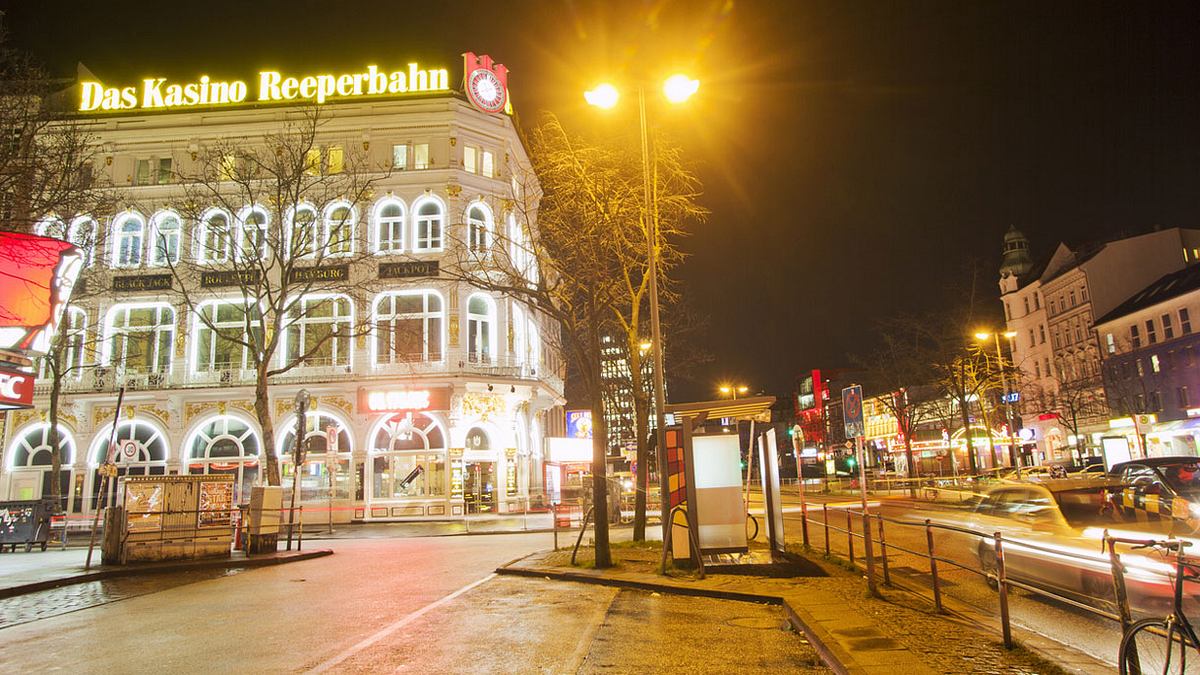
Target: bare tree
[{"x": 276, "y": 223}]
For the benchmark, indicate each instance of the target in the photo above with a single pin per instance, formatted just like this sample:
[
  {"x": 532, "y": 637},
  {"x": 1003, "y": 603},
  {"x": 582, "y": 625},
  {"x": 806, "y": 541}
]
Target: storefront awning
[{"x": 757, "y": 408}]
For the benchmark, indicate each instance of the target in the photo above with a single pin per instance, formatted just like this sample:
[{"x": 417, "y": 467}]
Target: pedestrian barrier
[{"x": 994, "y": 572}]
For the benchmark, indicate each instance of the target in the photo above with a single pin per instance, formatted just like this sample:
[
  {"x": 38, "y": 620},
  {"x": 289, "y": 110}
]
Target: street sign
[{"x": 852, "y": 411}]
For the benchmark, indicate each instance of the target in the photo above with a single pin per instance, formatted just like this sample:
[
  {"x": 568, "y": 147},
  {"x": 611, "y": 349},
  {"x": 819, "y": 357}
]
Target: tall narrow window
[
  {"x": 1184, "y": 400},
  {"x": 517, "y": 321},
  {"x": 339, "y": 229},
  {"x": 131, "y": 236},
  {"x": 400, "y": 157},
  {"x": 481, "y": 322},
  {"x": 216, "y": 230},
  {"x": 1151, "y": 333},
  {"x": 320, "y": 331},
  {"x": 408, "y": 327},
  {"x": 138, "y": 337},
  {"x": 165, "y": 170},
  {"x": 489, "y": 164},
  {"x": 252, "y": 233},
  {"x": 83, "y": 232},
  {"x": 312, "y": 162},
  {"x": 1168, "y": 328},
  {"x": 389, "y": 226},
  {"x": 74, "y": 329},
  {"x": 479, "y": 225},
  {"x": 302, "y": 231},
  {"x": 335, "y": 159},
  {"x": 421, "y": 156},
  {"x": 1135, "y": 337},
  {"x": 430, "y": 218},
  {"x": 227, "y": 167},
  {"x": 165, "y": 234},
  {"x": 141, "y": 174},
  {"x": 1041, "y": 333},
  {"x": 1185, "y": 322},
  {"x": 1110, "y": 343},
  {"x": 469, "y": 159}
]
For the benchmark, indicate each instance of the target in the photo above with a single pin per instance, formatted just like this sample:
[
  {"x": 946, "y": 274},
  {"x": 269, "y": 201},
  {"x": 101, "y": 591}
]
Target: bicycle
[
  {"x": 751, "y": 527},
  {"x": 1148, "y": 646}
]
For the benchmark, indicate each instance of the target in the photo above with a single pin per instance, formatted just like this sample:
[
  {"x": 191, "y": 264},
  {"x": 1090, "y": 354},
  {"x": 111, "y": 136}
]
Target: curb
[
  {"x": 825, "y": 646},
  {"x": 223, "y": 563}
]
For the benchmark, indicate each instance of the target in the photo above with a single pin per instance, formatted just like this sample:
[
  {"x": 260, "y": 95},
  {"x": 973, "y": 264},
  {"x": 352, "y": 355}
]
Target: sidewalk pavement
[
  {"x": 854, "y": 633},
  {"x": 22, "y": 573}
]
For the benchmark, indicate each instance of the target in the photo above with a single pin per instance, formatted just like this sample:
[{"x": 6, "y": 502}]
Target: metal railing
[{"x": 999, "y": 576}]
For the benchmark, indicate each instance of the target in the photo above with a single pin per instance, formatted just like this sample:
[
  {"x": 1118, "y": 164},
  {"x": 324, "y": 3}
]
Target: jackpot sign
[{"x": 484, "y": 82}]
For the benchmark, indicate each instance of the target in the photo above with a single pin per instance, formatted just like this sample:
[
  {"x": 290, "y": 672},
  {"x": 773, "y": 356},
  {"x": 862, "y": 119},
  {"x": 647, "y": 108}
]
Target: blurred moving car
[{"x": 1163, "y": 492}]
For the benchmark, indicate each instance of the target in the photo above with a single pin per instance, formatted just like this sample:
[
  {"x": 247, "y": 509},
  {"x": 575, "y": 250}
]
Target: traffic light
[
  {"x": 790, "y": 432},
  {"x": 851, "y": 462}
]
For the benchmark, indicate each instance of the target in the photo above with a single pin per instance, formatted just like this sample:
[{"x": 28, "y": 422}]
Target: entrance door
[{"x": 479, "y": 487}]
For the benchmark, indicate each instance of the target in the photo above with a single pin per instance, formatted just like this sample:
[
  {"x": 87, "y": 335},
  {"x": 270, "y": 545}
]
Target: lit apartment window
[
  {"x": 1154, "y": 364},
  {"x": 408, "y": 327},
  {"x": 1151, "y": 333},
  {"x": 130, "y": 231},
  {"x": 489, "y": 164},
  {"x": 400, "y": 157},
  {"x": 227, "y": 167},
  {"x": 479, "y": 225},
  {"x": 153, "y": 171},
  {"x": 1141, "y": 370},
  {"x": 302, "y": 231},
  {"x": 312, "y": 162},
  {"x": 1135, "y": 337},
  {"x": 165, "y": 235},
  {"x": 421, "y": 156},
  {"x": 1168, "y": 328},
  {"x": 141, "y": 175},
  {"x": 139, "y": 337},
  {"x": 166, "y": 169},
  {"x": 389, "y": 225},
  {"x": 430, "y": 218},
  {"x": 1110, "y": 344},
  {"x": 335, "y": 159},
  {"x": 339, "y": 229},
  {"x": 1185, "y": 322},
  {"x": 469, "y": 159},
  {"x": 220, "y": 339},
  {"x": 320, "y": 334}
]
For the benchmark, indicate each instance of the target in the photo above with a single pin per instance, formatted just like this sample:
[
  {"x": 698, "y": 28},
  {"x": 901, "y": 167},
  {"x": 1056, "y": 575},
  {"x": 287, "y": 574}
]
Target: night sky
[{"x": 856, "y": 156}]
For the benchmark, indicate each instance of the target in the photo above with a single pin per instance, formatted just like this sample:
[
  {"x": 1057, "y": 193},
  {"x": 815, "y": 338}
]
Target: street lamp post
[
  {"x": 1008, "y": 418},
  {"x": 677, "y": 89},
  {"x": 302, "y": 401}
]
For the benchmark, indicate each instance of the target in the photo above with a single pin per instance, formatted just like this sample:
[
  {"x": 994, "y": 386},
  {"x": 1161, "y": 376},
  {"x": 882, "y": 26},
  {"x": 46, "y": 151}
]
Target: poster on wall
[
  {"x": 579, "y": 424},
  {"x": 143, "y": 506},
  {"x": 216, "y": 500}
]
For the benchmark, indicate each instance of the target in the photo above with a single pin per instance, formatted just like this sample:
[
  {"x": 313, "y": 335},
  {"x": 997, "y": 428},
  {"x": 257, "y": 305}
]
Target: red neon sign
[{"x": 37, "y": 275}]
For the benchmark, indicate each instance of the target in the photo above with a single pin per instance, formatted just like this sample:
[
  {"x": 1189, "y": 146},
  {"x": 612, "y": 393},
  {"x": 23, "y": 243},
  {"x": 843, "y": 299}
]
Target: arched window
[
  {"x": 389, "y": 225},
  {"x": 302, "y": 231},
  {"x": 430, "y": 217},
  {"x": 520, "y": 349},
  {"x": 521, "y": 254},
  {"x": 83, "y": 232},
  {"x": 130, "y": 231},
  {"x": 166, "y": 232},
  {"x": 479, "y": 229},
  {"x": 408, "y": 327},
  {"x": 324, "y": 464},
  {"x": 51, "y": 226},
  {"x": 535, "y": 348},
  {"x": 339, "y": 228},
  {"x": 252, "y": 232},
  {"x": 215, "y": 236},
  {"x": 29, "y": 463},
  {"x": 408, "y": 458},
  {"x": 319, "y": 331},
  {"x": 141, "y": 450},
  {"x": 71, "y": 362},
  {"x": 138, "y": 337},
  {"x": 225, "y": 445},
  {"x": 481, "y": 328},
  {"x": 219, "y": 338}
]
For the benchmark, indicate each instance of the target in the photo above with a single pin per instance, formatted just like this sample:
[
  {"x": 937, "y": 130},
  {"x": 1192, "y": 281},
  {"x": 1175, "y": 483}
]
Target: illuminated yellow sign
[{"x": 157, "y": 94}]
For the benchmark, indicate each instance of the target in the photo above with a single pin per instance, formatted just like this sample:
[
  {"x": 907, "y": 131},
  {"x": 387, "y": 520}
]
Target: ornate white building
[{"x": 448, "y": 420}]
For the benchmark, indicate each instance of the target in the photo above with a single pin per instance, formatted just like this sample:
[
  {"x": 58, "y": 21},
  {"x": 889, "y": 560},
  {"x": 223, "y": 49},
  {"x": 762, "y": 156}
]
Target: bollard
[
  {"x": 933, "y": 573},
  {"x": 1002, "y": 586},
  {"x": 300, "y": 536},
  {"x": 887, "y": 578},
  {"x": 804, "y": 523},
  {"x": 825, "y": 509},
  {"x": 850, "y": 534}
]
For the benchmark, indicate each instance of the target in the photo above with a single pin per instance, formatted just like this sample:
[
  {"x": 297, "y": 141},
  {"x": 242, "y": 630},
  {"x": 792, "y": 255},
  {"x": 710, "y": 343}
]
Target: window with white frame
[
  {"x": 479, "y": 227},
  {"x": 1185, "y": 321},
  {"x": 83, "y": 232},
  {"x": 430, "y": 219},
  {"x": 215, "y": 240},
  {"x": 142, "y": 451},
  {"x": 1168, "y": 327},
  {"x": 488, "y": 164},
  {"x": 320, "y": 331},
  {"x": 339, "y": 229},
  {"x": 69, "y": 365},
  {"x": 469, "y": 164},
  {"x": 389, "y": 225},
  {"x": 226, "y": 445},
  {"x": 220, "y": 337},
  {"x": 139, "y": 337},
  {"x": 403, "y": 444},
  {"x": 535, "y": 348},
  {"x": 421, "y": 156},
  {"x": 166, "y": 232},
  {"x": 481, "y": 328},
  {"x": 326, "y": 466},
  {"x": 522, "y": 256},
  {"x": 400, "y": 157},
  {"x": 408, "y": 327},
  {"x": 130, "y": 236},
  {"x": 517, "y": 321},
  {"x": 302, "y": 231},
  {"x": 252, "y": 232}
]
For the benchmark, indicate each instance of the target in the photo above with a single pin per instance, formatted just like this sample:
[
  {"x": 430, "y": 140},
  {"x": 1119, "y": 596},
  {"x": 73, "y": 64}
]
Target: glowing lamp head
[
  {"x": 725, "y": 389},
  {"x": 742, "y": 390},
  {"x": 603, "y": 96},
  {"x": 679, "y": 88},
  {"x": 982, "y": 336},
  {"x": 645, "y": 346}
]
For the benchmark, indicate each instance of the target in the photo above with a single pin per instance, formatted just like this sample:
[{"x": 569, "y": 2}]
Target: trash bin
[{"x": 25, "y": 523}]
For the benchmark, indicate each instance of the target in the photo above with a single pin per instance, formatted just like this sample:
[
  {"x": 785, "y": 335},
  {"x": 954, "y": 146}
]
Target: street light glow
[
  {"x": 646, "y": 345},
  {"x": 603, "y": 96},
  {"x": 982, "y": 336},
  {"x": 679, "y": 88}
]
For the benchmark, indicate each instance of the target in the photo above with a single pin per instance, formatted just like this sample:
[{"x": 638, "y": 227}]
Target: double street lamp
[
  {"x": 982, "y": 336},
  {"x": 732, "y": 390},
  {"x": 677, "y": 89}
]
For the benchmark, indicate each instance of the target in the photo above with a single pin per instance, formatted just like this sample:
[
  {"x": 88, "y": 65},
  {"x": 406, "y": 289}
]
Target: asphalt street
[{"x": 399, "y": 605}]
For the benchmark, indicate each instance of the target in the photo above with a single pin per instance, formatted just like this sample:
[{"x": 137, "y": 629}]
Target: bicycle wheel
[
  {"x": 1147, "y": 649},
  {"x": 751, "y": 527}
]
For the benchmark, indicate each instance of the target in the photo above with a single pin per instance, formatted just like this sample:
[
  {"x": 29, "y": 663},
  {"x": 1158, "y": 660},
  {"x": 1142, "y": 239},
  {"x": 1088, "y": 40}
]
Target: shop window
[
  {"x": 326, "y": 469},
  {"x": 400, "y": 157},
  {"x": 479, "y": 225},
  {"x": 481, "y": 328},
  {"x": 339, "y": 229},
  {"x": 408, "y": 458},
  {"x": 29, "y": 460},
  {"x": 226, "y": 445},
  {"x": 1168, "y": 328},
  {"x": 430, "y": 217},
  {"x": 302, "y": 231},
  {"x": 166, "y": 233},
  {"x": 215, "y": 236},
  {"x": 130, "y": 235},
  {"x": 140, "y": 450},
  {"x": 389, "y": 225},
  {"x": 220, "y": 339},
  {"x": 408, "y": 327},
  {"x": 139, "y": 337},
  {"x": 421, "y": 156},
  {"x": 319, "y": 331}
]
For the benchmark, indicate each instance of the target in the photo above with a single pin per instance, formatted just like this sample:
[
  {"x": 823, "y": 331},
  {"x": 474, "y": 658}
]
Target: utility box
[
  {"x": 173, "y": 518},
  {"x": 264, "y": 513}
]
